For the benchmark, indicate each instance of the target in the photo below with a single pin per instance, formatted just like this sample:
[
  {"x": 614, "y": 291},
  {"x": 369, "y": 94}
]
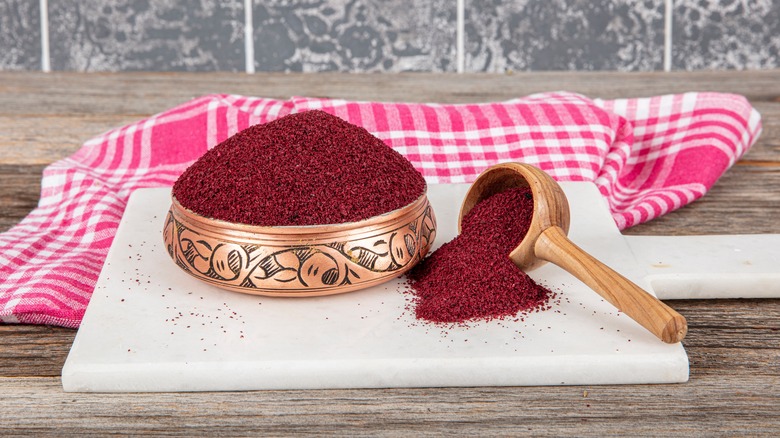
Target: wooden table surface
[{"x": 733, "y": 345}]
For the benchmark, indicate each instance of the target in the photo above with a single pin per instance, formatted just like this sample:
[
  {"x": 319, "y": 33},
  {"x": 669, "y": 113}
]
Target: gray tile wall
[
  {"x": 726, "y": 34},
  {"x": 389, "y": 35},
  {"x": 20, "y": 35},
  {"x": 160, "y": 35},
  {"x": 354, "y": 35},
  {"x": 564, "y": 35}
]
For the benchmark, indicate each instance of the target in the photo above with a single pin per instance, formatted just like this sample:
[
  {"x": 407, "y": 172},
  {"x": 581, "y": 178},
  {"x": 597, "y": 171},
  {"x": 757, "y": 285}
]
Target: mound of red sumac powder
[
  {"x": 471, "y": 277},
  {"x": 309, "y": 168}
]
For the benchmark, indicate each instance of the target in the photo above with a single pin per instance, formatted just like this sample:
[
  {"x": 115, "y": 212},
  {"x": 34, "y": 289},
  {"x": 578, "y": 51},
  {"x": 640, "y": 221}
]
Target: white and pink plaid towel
[{"x": 648, "y": 156}]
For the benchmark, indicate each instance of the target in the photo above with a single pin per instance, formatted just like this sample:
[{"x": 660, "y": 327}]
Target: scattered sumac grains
[
  {"x": 471, "y": 277},
  {"x": 308, "y": 168}
]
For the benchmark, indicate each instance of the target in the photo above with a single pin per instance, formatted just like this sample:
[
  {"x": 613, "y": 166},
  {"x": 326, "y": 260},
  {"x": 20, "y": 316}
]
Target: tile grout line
[
  {"x": 460, "y": 30},
  {"x": 249, "y": 41},
  {"x": 668, "y": 12},
  {"x": 45, "y": 57}
]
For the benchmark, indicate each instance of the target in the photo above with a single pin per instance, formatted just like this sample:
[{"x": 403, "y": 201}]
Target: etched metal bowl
[{"x": 300, "y": 260}]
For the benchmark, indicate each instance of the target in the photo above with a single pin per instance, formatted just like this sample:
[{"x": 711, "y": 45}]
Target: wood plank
[
  {"x": 707, "y": 406},
  {"x": 767, "y": 148},
  {"x": 32, "y": 350},
  {"x": 717, "y": 329},
  {"x": 44, "y": 139},
  {"x": 19, "y": 193},
  {"x": 108, "y": 93},
  {"x": 74, "y": 113},
  {"x": 729, "y": 324}
]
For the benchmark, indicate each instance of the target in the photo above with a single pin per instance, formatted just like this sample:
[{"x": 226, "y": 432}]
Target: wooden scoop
[{"x": 547, "y": 241}]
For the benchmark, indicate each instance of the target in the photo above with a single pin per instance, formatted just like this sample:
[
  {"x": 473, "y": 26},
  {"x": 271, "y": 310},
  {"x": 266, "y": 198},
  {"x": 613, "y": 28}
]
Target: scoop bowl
[{"x": 547, "y": 241}]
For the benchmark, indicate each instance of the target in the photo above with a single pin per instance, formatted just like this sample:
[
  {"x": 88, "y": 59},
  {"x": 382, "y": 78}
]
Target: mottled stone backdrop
[{"x": 388, "y": 35}]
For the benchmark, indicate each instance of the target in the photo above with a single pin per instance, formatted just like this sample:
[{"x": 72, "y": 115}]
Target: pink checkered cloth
[{"x": 648, "y": 156}]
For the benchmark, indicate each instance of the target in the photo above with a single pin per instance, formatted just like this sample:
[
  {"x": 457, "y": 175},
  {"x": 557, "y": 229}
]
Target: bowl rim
[
  {"x": 284, "y": 232},
  {"x": 183, "y": 224}
]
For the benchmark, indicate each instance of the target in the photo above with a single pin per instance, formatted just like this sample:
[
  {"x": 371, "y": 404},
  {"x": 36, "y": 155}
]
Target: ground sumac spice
[
  {"x": 471, "y": 277},
  {"x": 309, "y": 168}
]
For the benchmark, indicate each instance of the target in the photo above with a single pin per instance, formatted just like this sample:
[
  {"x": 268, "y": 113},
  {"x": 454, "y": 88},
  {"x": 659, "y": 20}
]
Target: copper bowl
[{"x": 300, "y": 261}]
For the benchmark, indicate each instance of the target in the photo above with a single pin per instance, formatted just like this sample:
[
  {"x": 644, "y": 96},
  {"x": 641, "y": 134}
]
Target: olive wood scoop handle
[{"x": 547, "y": 241}]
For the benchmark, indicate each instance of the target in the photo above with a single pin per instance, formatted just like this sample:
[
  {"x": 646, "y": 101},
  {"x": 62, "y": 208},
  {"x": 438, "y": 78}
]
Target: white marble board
[{"x": 152, "y": 327}]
